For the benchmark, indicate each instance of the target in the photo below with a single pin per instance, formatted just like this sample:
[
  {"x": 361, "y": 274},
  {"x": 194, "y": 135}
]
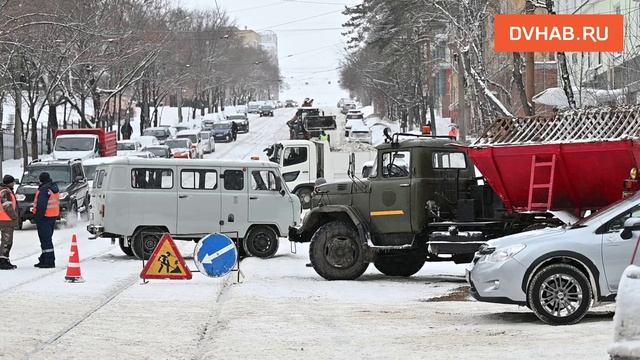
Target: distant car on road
[
  {"x": 241, "y": 120},
  {"x": 142, "y": 154},
  {"x": 290, "y": 104},
  {"x": 125, "y": 147},
  {"x": 242, "y": 109},
  {"x": 253, "y": 107},
  {"x": 222, "y": 132},
  {"x": 266, "y": 110},
  {"x": 351, "y": 123},
  {"x": 360, "y": 133},
  {"x": 161, "y": 133},
  {"x": 348, "y": 105},
  {"x": 160, "y": 151},
  {"x": 341, "y": 102},
  {"x": 181, "y": 148},
  {"x": 208, "y": 141},
  {"x": 194, "y": 137},
  {"x": 147, "y": 140}
]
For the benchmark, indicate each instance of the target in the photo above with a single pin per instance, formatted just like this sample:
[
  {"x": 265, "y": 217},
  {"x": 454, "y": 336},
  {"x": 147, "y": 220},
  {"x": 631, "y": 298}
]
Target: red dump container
[{"x": 586, "y": 175}]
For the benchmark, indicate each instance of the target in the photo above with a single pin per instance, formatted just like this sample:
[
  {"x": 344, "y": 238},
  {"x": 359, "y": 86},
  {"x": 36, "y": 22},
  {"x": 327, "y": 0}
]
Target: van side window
[
  {"x": 449, "y": 160},
  {"x": 264, "y": 181},
  {"x": 199, "y": 179},
  {"x": 233, "y": 180},
  {"x": 152, "y": 179},
  {"x": 294, "y": 155},
  {"x": 100, "y": 178}
]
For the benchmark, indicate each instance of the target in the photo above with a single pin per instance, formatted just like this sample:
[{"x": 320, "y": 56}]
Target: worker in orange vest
[
  {"x": 453, "y": 131},
  {"x": 46, "y": 210},
  {"x": 8, "y": 220}
]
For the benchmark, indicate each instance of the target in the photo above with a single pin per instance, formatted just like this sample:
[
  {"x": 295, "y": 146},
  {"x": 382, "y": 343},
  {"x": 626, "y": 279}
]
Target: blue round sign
[{"x": 215, "y": 255}]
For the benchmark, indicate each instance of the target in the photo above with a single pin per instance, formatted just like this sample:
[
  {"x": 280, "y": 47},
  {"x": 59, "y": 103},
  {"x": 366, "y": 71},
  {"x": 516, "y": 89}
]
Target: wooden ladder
[{"x": 541, "y": 187}]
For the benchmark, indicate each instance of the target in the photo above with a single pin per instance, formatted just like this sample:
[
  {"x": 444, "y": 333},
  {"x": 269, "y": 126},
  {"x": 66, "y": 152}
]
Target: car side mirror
[
  {"x": 630, "y": 225},
  {"x": 282, "y": 192}
]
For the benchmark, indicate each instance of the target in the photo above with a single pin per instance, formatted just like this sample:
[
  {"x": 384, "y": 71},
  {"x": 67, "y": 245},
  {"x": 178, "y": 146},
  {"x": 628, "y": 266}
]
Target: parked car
[
  {"x": 266, "y": 110},
  {"x": 196, "y": 198},
  {"x": 222, "y": 132},
  {"x": 360, "y": 133},
  {"x": 242, "y": 109},
  {"x": 146, "y": 140},
  {"x": 348, "y": 105},
  {"x": 161, "y": 133},
  {"x": 253, "y": 107},
  {"x": 350, "y": 123},
  {"x": 354, "y": 114},
  {"x": 241, "y": 120},
  {"x": 194, "y": 136},
  {"x": 180, "y": 127},
  {"x": 181, "y": 148},
  {"x": 160, "y": 151},
  {"x": 208, "y": 141},
  {"x": 341, "y": 102},
  {"x": 290, "y": 104},
  {"x": 125, "y": 147},
  {"x": 558, "y": 272},
  {"x": 142, "y": 154},
  {"x": 74, "y": 189}
]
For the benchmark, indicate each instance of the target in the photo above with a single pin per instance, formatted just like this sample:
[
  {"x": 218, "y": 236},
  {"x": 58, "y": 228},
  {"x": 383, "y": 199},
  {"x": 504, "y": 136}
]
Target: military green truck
[{"x": 421, "y": 202}]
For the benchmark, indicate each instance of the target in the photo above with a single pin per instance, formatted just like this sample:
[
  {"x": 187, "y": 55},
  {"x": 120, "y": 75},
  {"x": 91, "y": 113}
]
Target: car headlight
[
  {"x": 64, "y": 195},
  {"x": 20, "y": 197},
  {"x": 503, "y": 254}
]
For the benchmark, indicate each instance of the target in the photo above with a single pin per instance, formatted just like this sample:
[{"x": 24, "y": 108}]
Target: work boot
[
  {"x": 44, "y": 266},
  {"x": 6, "y": 265}
]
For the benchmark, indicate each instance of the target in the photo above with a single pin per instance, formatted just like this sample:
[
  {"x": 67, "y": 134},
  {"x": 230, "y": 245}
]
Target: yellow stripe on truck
[{"x": 387, "y": 213}]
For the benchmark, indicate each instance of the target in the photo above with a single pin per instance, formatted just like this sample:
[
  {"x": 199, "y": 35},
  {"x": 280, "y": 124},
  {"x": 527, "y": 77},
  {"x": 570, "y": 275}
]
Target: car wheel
[
  {"x": 305, "y": 197},
  {"x": 560, "y": 294},
  {"x": 145, "y": 241},
  {"x": 125, "y": 247},
  {"x": 399, "y": 265},
  {"x": 261, "y": 242},
  {"x": 336, "y": 252}
]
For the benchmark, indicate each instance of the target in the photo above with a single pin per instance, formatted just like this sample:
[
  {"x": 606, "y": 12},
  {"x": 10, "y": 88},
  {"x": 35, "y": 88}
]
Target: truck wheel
[
  {"x": 336, "y": 253},
  {"x": 261, "y": 242},
  {"x": 145, "y": 241},
  {"x": 305, "y": 197},
  {"x": 126, "y": 248},
  {"x": 559, "y": 294},
  {"x": 399, "y": 265}
]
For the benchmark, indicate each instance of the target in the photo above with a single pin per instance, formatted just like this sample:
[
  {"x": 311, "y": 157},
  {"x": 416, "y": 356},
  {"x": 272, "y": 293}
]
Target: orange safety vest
[
  {"x": 454, "y": 133},
  {"x": 53, "y": 205},
  {"x": 4, "y": 216}
]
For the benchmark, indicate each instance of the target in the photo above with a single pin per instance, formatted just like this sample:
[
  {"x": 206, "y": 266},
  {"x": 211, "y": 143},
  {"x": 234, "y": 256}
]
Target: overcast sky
[{"x": 309, "y": 42}]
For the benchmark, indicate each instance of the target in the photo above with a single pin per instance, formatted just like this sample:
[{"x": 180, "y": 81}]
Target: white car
[
  {"x": 350, "y": 124},
  {"x": 559, "y": 272},
  {"x": 208, "y": 141},
  {"x": 147, "y": 140},
  {"x": 142, "y": 154},
  {"x": 194, "y": 136},
  {"x": 126, "y": 147},
  {"x": 360, "y": 133}
]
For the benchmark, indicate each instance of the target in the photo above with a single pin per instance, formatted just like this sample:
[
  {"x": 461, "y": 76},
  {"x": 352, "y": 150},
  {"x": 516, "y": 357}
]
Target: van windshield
[
  {"x": 75, "y": 144},
  {"x": 59, "y": 174}
]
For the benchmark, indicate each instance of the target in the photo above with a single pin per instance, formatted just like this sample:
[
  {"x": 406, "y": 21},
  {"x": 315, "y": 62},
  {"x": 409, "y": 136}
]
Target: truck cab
[
  {"x": 83, "y": 143},
  {"x": 415, "y": 187}
]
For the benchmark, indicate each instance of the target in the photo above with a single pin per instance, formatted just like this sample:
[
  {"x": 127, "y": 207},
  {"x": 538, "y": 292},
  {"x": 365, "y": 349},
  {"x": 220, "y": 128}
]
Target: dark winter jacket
[
  {"x": 8, "y": 208},
  {"x": 43, "y": 198}
]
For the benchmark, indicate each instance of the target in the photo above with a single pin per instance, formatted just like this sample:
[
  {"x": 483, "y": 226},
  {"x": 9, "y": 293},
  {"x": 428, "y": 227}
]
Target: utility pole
[{"x": 530, "y": 65}]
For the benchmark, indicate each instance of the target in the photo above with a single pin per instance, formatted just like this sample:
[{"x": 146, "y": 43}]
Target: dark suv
[{"x": 74, "y": 189}]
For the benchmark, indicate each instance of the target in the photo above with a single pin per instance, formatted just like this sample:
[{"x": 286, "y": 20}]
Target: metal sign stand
[{"x": 237, "y": 269}]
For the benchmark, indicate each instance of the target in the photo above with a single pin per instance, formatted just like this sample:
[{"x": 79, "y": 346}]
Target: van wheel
[
  {"x": 560, "y": 294},
  {"x": 336, "y": 253},
  {"x": 305, "y": 197},
  {"x": 399, "y": 265},
  {"x": 145, "y": 241},
  {"x": 261, "y": 242},
  {"x": 126, "y": 248}
]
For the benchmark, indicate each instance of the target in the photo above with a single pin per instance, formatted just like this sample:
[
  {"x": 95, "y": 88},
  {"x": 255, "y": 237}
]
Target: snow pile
[
  {"x": 353, "y": 147},
  {"x": 367, "y": 110},
  {"x": 626, "y": 334}
]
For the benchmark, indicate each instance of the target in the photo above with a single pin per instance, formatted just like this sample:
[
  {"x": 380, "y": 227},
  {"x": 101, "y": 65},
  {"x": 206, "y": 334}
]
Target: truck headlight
[
  {"x": 64, "y": 195},
  {"x": 504, "y": 254},
  {"x": 20, "y": 197}
]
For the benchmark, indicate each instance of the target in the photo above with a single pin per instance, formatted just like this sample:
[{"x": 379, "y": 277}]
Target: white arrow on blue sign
[{"x": 215, "y": 255}]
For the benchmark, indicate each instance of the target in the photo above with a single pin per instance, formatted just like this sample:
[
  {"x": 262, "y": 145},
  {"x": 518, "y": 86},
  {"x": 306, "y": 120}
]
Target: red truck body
[{"x": 107, "y": 139}]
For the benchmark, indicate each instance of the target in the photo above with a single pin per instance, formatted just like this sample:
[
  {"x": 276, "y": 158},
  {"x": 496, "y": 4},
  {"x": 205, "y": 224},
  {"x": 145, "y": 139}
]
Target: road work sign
[
  {"x": 166, "y": 262},
  {"x": 215, "y": 255}
]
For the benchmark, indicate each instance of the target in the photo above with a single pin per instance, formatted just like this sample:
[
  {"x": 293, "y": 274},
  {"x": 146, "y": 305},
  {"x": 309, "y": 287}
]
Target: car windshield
[
  {"x": 126, "y": 146},
  {"x": 177, "y": 144},
  {"x": 75, "y": 144},
  {"x": 192, "y": 137},
  {"x": 159, "y": 152},
  {"x": 90, "y": 171},
  {"x": 607, "y": 210},
  {"x": 59, "y": 174},
  {"x": 159, "y": 134},
  {"x": 222, "y": 126},
  {"x": 235, "y": 117}
]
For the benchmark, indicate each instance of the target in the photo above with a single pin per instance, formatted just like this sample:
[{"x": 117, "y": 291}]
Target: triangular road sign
[{"x": 166, "y": 262}]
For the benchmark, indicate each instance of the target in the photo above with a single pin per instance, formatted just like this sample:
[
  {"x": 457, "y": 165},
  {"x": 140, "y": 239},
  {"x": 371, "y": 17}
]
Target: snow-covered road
[{"x": 280, "y": 310}]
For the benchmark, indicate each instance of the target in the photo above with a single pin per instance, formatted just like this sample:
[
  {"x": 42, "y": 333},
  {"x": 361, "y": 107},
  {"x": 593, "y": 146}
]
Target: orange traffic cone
[{"x": 73, "y": 269}]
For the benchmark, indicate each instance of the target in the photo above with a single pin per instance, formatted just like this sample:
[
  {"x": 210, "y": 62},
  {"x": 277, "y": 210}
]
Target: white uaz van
[{"x": 136, "y": 200}]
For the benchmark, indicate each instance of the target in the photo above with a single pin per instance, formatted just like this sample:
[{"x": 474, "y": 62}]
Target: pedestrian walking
[
  {"x": 46, "y": 209},
  {"x": 126, "y": 130},
  {"x": 8, "y": 220},
  {"x": 234, "y": 130}
]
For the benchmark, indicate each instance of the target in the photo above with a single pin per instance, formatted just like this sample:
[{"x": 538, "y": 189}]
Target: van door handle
[
  {"x": 305, "y": 172},
  {"x": 405, "y": 185},
  {"x": 183, "y": 196},
  {"x": 253, "y": 198}
]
